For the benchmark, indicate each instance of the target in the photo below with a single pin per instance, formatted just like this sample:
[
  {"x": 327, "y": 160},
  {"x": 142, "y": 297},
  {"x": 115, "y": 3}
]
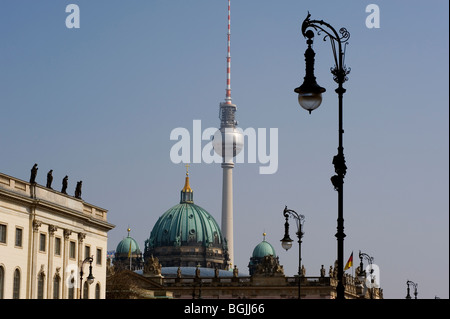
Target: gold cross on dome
[{"x": 187, "y": 169}]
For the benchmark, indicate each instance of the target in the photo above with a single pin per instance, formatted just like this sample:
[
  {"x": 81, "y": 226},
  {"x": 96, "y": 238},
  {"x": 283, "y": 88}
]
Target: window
[
  {"x": 16, "y": 284},
  {"x": 18, "y": 237},
  {"x": 56, "y": 285},
  {"x": 72, "y": 250},
  {"x": 87, "y": 251},
  {"x": 40, "y": 286},
  {"x": 42, "y": 240},
  {"x": 99, "y": 256},
  {"x": 3, "y": 233},
  {"x": 57, "y": 246},
  {"x": 97, "y": 291}
]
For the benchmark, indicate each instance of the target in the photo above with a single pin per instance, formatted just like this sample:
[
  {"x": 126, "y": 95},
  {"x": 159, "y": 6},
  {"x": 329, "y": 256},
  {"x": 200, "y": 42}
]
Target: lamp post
[
  {"x": 409, "y": 282},
  {"x": 362, "y": 273},
  {"x": 90, "y": 278},
  {"x": 286, "y": 242},
  {"x": 310, "y": 98}
]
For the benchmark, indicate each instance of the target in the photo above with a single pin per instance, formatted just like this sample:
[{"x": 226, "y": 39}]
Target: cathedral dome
[
  {"x": 186, "y": 223},
  {"x": 186, "y": 235}
]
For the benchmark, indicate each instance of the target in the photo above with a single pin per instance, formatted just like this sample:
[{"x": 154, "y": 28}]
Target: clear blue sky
[{"x": 98, "y": 103}]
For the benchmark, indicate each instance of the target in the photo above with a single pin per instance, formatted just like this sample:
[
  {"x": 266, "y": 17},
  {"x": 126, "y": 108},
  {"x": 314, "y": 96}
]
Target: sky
[{"x": 98, "y": 103}]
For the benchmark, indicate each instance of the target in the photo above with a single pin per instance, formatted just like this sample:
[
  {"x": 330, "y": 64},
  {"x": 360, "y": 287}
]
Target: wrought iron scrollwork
[{"x": 340, "y": 70}]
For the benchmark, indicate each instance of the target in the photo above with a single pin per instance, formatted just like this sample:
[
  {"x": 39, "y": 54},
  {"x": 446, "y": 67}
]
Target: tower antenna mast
[{"x": 228, "y": 90}]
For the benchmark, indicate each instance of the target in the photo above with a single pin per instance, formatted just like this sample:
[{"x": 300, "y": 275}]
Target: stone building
[
  {"x": 45, "y": 235},
  {"x": 186, "y": 257},
  {"x": 267, "y": 282}
]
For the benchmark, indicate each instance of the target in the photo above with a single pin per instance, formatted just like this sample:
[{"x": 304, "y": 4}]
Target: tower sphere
[{"x": 228, "y": 142}]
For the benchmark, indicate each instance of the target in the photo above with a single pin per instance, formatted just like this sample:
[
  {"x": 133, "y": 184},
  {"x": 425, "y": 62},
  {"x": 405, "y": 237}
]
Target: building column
[
  {"x": 51, "y": 239},
  {"x": 81, "y": 237},
  {"x": 65, "y": 287},
  {"x": 34, "y": 252}
]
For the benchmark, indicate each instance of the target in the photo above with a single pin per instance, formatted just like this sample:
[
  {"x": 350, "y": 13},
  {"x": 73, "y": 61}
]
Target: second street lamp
[
  {"x": 310, "y": 98},
  {"x": 362, "y": 275},
  {"x": 90, "y": 278},
  {"x": 286, "y": 242},
  {"x": 409, "y": 282}
]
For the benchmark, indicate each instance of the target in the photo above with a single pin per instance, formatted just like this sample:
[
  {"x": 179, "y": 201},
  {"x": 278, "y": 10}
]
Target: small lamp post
[
  {"x": 409, "y": 282},
  {"x": 286, "y": 242},
  {"x": 362, "y": 273},
  {"x": 90, "y": 278}
]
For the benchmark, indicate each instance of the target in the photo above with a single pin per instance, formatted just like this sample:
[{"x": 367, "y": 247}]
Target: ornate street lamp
[
  {"x": 90, "y": 278},
  {"x": 362, "y": 273},
  {"x": 310, "y": 98},
  {"x": 286, "y": 242},
  {"x": 409, "y": 282},
  {"x": 309, "y": 93}
]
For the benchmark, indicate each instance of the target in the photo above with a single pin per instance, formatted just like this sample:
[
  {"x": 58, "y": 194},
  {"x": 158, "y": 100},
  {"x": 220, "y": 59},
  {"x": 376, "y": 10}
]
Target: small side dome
[
  {"x": 263, "y": 249},
  {"x": 128, "y": 245},
  {"x": 128, "y": 254},
  {"x": 260, "y": 253}
]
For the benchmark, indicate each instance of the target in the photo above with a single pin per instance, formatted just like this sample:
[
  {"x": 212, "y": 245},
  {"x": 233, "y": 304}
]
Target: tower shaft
[{"x": 227, "y": 208}]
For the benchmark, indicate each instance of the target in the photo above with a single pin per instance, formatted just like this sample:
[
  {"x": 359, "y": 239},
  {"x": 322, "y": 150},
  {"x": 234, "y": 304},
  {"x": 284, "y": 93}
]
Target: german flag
[
  {"x": 349, "y": 262},
  {"x": 129, "y": 251}
]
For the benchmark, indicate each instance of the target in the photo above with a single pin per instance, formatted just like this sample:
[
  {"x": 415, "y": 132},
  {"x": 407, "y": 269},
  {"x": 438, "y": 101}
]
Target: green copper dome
[
  {"x": 128, "y": 255},
  {"x": 186, "y": 223},
  {"x": 186, "y": 235},
  {"x": 126, "y": 245},
  {"x": 263, "y": 249}
]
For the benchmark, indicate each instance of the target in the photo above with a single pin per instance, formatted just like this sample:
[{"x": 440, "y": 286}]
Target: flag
[
  {"x": 349, "y": 262},
  {"x": 129, "y": 250}
]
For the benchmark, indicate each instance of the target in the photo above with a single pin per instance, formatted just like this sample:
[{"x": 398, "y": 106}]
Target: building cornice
[{"x": 32, "y": 195}]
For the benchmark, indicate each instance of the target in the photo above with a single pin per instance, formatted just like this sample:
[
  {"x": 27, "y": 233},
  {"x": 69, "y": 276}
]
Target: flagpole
[
  {"x": 129, "y": 254},
  {"x": 353, "y": 270},
  {"x": 129, "y": 250}
]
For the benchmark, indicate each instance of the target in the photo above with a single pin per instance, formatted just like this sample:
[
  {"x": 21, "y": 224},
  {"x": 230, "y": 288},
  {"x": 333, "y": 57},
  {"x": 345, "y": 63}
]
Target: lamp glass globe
[{"x": 310, "y": 101}]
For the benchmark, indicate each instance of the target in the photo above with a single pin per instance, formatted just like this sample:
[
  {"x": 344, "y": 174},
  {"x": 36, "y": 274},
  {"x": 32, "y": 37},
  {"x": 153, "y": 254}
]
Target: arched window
[
  {"x": 40, "y": 286},
  {"x": 97, "y": 291},
  {"x": 16, "y": 284},
  {"x": 2, "y": 281},
  {"x": 56, "y": 285},
  {"x": 85, "y": 290}
]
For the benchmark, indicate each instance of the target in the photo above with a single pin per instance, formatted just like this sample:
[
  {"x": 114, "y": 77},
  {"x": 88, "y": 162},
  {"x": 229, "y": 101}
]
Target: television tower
[{"x": 228, "y": 142}]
